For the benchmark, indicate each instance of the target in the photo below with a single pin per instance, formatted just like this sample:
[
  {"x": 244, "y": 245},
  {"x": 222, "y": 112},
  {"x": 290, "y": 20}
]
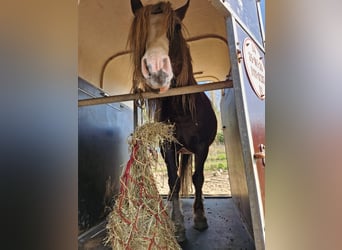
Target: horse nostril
[
  {"x": 167, "y": 65},
  {"x": 147, "y": 67}
]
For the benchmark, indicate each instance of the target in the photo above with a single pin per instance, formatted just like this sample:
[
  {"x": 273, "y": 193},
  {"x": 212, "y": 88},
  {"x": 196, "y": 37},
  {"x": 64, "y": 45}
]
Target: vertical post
[{"x": 137, "y": 116}]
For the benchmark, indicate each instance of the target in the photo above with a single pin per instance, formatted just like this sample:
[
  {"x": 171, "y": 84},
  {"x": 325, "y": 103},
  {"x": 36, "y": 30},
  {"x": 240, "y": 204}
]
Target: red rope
[
  {"x": 126, "y": 174},
  {"x": 125, "y": 179}
]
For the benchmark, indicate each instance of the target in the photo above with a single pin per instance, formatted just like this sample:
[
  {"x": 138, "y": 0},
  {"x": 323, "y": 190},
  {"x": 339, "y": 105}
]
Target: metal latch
[{"x": 261, "y": 154}]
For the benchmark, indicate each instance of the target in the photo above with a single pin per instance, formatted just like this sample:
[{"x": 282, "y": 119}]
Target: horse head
[{"x": 151, "y": 33}]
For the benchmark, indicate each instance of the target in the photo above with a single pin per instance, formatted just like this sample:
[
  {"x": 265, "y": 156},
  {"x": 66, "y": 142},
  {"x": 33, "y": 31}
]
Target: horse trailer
[{"x": 227, "y": 44}]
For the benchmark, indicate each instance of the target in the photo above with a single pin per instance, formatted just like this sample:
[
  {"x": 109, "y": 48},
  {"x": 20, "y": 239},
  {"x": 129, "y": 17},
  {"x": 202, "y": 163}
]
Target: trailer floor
[{"x": 226, "y": 230}]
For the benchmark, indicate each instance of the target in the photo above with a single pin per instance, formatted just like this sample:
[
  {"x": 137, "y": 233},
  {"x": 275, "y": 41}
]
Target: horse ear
[
  {"x": 180, "y": 12},
  {"x": 135, "y": 5}
]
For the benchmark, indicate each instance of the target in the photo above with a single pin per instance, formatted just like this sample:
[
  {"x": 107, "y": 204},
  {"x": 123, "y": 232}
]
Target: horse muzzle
[{"x": 157, "y": 72}]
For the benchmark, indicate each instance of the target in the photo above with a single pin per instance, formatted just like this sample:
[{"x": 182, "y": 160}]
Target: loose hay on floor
[{"x": 139, "y": 219}]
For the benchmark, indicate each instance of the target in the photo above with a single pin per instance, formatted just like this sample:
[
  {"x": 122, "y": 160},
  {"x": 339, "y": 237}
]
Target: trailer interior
[{"x": 104, "y": 69}]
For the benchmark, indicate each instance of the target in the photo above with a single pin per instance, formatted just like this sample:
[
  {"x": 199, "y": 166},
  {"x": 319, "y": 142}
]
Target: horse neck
[{"x": 180, "y": 105}]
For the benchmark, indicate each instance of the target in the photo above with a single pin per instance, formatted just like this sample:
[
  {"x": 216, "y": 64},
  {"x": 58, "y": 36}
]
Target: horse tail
[{"x": 185, "y": 173}]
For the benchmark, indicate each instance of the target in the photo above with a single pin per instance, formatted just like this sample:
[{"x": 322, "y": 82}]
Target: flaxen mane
[{"x": 178, "y": 52}]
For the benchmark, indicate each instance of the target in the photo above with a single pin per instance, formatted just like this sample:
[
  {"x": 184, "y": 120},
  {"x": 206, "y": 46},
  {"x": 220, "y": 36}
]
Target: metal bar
[
  {"x": 121, "y": 53},
  {"x": 148, "y": 95}
]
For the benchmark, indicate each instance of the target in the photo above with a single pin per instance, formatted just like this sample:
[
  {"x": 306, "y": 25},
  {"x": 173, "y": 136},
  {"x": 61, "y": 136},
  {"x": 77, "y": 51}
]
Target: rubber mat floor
[{"x": 226, "y": 230}]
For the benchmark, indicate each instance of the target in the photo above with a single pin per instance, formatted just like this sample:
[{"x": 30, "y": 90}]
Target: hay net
[{"x": 138, "y": 219}]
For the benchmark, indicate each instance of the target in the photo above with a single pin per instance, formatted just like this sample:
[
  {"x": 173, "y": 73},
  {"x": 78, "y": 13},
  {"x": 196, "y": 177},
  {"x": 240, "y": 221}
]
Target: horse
[{"x": 161, "y": 60}]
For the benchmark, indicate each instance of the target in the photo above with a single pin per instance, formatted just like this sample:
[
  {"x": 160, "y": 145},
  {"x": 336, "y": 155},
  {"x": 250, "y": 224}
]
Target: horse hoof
[
  {"x": 180, "y": 233},
  {"x": 180, "y": 237},
  {"x": 200, "y": 224}
]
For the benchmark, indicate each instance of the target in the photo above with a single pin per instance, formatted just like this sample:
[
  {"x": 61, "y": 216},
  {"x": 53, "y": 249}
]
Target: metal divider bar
[{"x": 149, "y": 95}]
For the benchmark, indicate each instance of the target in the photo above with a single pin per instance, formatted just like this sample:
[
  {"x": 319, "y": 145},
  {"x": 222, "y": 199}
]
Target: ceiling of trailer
[{"x": 103, "y": 59}]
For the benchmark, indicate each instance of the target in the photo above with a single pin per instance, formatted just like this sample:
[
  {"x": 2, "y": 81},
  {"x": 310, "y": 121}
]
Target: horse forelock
[{"x": 136, "y": 41}]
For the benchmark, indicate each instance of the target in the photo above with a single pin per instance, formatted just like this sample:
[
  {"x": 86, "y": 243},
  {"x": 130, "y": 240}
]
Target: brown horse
[{"x": 161, "y": 61}]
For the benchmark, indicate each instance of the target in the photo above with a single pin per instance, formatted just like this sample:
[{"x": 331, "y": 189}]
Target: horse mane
[{"x": 179, "y": 54}]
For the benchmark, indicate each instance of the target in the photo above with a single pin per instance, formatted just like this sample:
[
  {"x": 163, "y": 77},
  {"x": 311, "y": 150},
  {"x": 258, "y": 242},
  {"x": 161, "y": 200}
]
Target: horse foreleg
[
  {"x": 174, "y": 205},
  {"x": 176, "y": 215},
  {"x": 200, "y": 221}
]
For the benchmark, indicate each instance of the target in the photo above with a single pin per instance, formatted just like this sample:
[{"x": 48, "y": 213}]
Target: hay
[{"x": 139, "y": 219}]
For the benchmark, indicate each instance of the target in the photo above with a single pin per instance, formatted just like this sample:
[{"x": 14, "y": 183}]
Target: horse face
[{"x": 155, "y": 63}]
